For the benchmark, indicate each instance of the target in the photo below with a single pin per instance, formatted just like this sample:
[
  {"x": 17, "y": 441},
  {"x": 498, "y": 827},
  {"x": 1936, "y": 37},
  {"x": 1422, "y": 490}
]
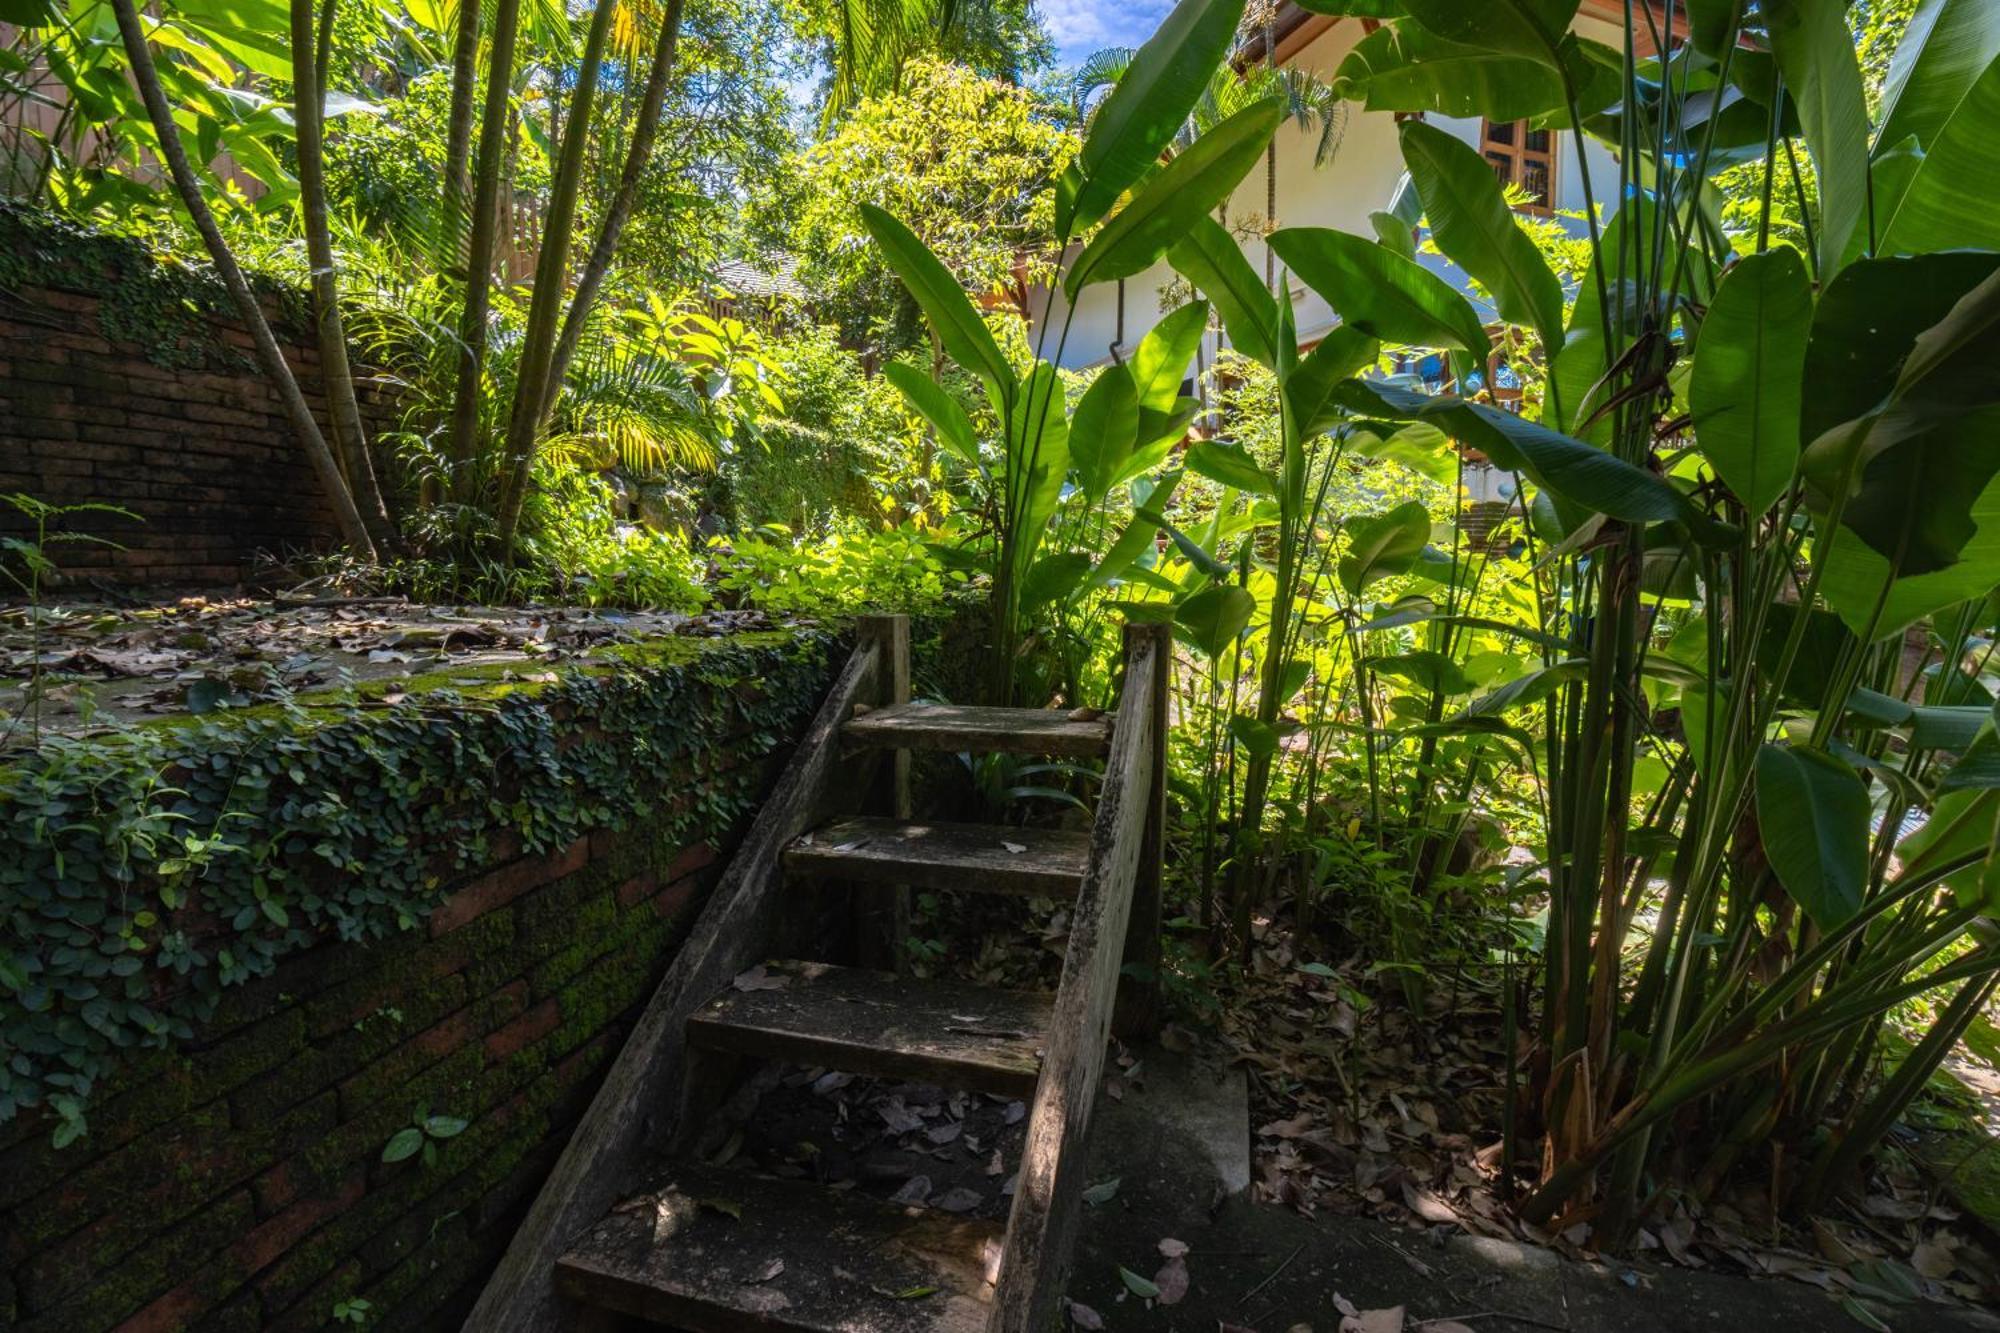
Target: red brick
[
  {"x": 171, "y": 1312},
  {"x": 675, "y": 899},
  {"x": 532, "y": 1026},
  {"x": 637, "y": 889},
  {"x": 691, "y": 859},
  {"x": 503, "y": 886},
  {"x": 268, "y": 1242}
]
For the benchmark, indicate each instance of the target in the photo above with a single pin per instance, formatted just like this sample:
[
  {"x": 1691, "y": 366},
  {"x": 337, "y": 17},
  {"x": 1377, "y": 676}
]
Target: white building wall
[{"x": 1360, "y": 178}]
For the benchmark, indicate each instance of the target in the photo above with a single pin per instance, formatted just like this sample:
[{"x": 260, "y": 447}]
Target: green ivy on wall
[
  {"x": 144, "y": 872},
  {"x": 169, "y": 308}
]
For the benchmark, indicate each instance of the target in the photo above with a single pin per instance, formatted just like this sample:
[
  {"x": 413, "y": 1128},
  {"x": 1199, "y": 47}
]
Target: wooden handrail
[{"x": 1034, "y": 1261}]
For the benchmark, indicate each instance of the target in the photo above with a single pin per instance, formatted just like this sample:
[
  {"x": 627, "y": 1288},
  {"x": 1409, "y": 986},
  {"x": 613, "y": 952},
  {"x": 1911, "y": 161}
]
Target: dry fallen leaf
[
  {"x": 1084, "y": 1317},
  {"x": 1373, "y": 1321},
  {"x": 758, "y": 978},
  {"x": 768, "y": 1271},
  {"x": 1172, "y": 1281}
]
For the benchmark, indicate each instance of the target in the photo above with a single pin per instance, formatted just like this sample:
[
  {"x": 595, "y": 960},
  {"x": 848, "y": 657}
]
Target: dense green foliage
[{"x": 147, "y": 871}]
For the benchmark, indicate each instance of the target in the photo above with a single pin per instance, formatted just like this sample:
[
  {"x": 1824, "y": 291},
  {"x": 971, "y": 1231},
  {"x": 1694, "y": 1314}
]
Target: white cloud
[{"x": 1083, "y": 26}]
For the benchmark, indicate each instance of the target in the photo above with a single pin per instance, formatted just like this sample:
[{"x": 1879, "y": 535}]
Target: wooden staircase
[{"x": 695, "y": 1251}]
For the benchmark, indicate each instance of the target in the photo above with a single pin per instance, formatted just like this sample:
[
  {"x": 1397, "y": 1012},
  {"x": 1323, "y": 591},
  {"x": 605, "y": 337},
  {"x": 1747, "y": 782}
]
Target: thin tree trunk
[
  {"x": 637, "y": 156},
  {"x": 352, "y": 530},
  {"x": 479, "y": 260},
  {"x": 458, "y": 130},
  {"x": 309, "y": 50},
  {"x": 551, "y": 270}
]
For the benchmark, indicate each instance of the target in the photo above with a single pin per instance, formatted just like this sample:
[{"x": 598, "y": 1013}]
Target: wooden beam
[
  {"x": 1138, "y": 1012},
  {"x": 882, "y": 911},
  {"x": 1048, "y": 1195},
  {"x": 609, "y": 1147}
]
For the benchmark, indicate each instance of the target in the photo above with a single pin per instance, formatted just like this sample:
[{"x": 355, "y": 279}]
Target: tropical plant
[{"x": 1748, "y": 472}]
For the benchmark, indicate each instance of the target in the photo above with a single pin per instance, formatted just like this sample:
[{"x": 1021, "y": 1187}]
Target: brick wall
[
  {"x": 126, "y": 383},
  {"x": 236, "y": 1182}
]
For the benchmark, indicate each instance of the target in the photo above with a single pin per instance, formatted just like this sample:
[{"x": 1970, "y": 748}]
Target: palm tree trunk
[
  {"x": 638, "y": 155},
  {"x": 551, "y": 272},
  {"x": 336, "y": 375},
  {"x": 479, "y": 259},
  {"x": 352, "y": 530},
  {"x": 458, "y": 130}
]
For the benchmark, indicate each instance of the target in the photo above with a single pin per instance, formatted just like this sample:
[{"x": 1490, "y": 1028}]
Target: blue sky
[{"x": 1083, "y": 26}]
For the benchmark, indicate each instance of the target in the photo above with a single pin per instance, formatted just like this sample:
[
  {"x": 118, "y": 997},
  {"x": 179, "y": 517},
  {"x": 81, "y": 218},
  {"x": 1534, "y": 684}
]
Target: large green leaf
[
  {"x": 1378, "y": 291},
  {"x": 1815, "y": 49},
  {"x": 1136, "y": 541},
  {"x": 1473, "y": 226},
  {"x": 1382, "y": 545},
  {"x": 1168, "y": 205},
  {"x": 1309, "y": 385},
  {"x": 1209, "y": 257},
  {"x": 1160, "y": 364},
  {"x": 1812, "y": 813},
  {"x": 1426, "y": 669},
  {"x": 1924, "y": 455},
  {"x": 1530, "y": 28},
  {"x": 1576, "y": 471},
  {"x": 1946, "y": 46},
  {"x": 1229, "y": 465},
  {"x": 1406, "y": 67},
  {"x": 1132, "y": 126},
  {"x": 1949, "y": 202},
  {"x": 1521, "y": 691},
  {"x": 1037, "y": 459},
  {"x": 1748, "y": 370},
  {"x": 964, "y": 334},
  {"x": 1104, "y": 430},
  {"x": 1853, "y": 579},
  {"x": 933, "y": 404},
  {"x": 1210, "y": 620}
]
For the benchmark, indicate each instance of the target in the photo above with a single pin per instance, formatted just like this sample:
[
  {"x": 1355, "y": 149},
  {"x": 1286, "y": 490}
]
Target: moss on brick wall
[{"x": 478, "y": 888}]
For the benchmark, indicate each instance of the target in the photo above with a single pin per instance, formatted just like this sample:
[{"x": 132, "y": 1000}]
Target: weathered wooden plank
[
  {"x": 1041, "y": 1231},
  {"x": 979, "y": 858},
  {"x": 1137, "y": 1014},
  {"x": 731, "y": 933},
  {"x": 928, "y": 726},
  {"x": 718, "y": 1251},
  {"x": 882, "y": 907},
  {"x": 879, "y": 1023}
]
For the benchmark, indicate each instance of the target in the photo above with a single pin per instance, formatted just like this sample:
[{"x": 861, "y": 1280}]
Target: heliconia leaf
[
  {"x": 1529, "y": 28},
  {"x": 1104, "y": 430},
  {"x": 1947, "y": 204},
  {"x": 1166, "y": 207},
  {"x": 1748, "y": 375},
  {"x": 1309, "y": 386},
  {"x": 929, "y": 400},
  {"x": 1378, "y": 291},
  {"x": 1578, "y": 472},
  {"x": 1229, "y": 465},
  {"x": 1160, "y": 365},
  {"x": 1137, "y": 539},
  {"x": 1134, "y": 124},
  {"x": 1210, "y": 620},
  {"x": 1812, "y": 813},
  {"x": 1209, "y": 257},
  {"x": 1946, "y": 46},
  {"x": 1381, "y": 545},
  {"x": 964, "y": 334},
  {"x": 1532, "y": 688},
  {"x": 1472, "y": 225},
  {"x": 1815, "y": 50},
  {"x": 1406, "y": 67}
]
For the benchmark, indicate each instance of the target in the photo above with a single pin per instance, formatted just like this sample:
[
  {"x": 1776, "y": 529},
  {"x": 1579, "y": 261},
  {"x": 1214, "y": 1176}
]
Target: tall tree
[
  {"x": 309, "y": 48},
  {"x": 147, "y": 78},
  {"x": 545, "y": 303},
  {"x": 479, "y": 252}
]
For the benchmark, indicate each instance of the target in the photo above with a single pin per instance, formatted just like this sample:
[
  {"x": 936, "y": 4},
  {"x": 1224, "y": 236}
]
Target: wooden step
[
  {"x": 718, "y": 1251},
  {"x": 985, "y": 858},
  {"x": 878, "y": 1023},
  {"x": 1040, "y": 731}
]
